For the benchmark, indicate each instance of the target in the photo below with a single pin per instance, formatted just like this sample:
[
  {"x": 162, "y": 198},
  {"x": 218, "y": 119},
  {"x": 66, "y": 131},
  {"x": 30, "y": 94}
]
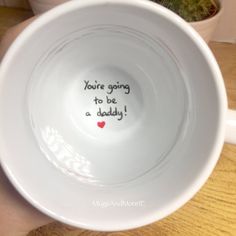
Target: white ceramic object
[{"x": 106, "y": 121}]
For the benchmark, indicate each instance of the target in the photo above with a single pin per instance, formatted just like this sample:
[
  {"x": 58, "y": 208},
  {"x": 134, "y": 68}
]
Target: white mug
[{"x": 113, "y": 113}]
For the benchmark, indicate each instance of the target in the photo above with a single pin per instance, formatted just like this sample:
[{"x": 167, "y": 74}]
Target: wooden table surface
[{"x": 212, "y": 212}]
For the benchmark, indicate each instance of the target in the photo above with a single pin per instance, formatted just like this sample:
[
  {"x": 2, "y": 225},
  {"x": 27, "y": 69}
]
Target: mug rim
[{"x": 142, "y": 4}]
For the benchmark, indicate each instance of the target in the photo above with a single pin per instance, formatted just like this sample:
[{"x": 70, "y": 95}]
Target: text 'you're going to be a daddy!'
[{"x": 107, "y": 105}]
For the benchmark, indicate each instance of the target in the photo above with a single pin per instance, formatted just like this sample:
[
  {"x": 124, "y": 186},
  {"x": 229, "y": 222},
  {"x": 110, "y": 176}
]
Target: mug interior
[
  {"x": 117, "y": 107},
  {"x": 100, "y": 97}
]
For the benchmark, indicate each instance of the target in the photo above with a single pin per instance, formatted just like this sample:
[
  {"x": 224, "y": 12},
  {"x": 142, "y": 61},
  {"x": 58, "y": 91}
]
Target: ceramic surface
[
  {"x": 109, "y": 104},
  {"x": 98, "y": 88}
]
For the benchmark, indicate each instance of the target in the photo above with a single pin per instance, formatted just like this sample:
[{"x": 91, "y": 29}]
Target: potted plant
[{"x": 203, "y": 15}]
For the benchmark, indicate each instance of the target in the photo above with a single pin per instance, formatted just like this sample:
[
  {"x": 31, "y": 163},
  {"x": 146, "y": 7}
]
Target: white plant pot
[
  {"x": 41, "y": 6},
  {"x": 207, "y": 27}
]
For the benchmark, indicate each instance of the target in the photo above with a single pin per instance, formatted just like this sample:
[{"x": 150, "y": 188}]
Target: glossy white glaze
[{"x": 149, "y": 92}]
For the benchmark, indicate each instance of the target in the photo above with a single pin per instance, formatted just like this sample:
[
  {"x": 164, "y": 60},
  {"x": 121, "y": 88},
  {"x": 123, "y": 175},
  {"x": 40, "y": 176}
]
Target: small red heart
[{"x": 101, "y": 124}]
